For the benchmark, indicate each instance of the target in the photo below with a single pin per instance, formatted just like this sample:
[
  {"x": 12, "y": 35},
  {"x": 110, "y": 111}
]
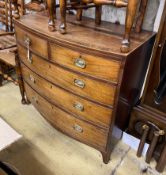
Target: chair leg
[
  {"x": 51, "y": 11},
  {"x": 22, "y": 11},
  {"x": 79, "y": 15},
  {"x": 130, "y": 15},
  {"x": 140, "y": 18},
  {"x": 98, "y": 12},
  {"x": 62, "y": 26},
  {"x": 10, "y": 78}
]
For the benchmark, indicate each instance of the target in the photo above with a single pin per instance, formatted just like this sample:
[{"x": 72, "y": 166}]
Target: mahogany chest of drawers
[{"x": 76, "y": 80}]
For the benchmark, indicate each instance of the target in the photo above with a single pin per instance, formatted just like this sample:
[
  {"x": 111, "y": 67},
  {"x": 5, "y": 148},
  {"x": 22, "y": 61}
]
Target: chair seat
[
  {"x": 8, "y": 57},
  {"x": 7, "y": 41}
]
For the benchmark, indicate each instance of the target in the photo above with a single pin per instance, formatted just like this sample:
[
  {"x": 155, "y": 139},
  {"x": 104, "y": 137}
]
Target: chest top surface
[{"x": 91, "y": 38}]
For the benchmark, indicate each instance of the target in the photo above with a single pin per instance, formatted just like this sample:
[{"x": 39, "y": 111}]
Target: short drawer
[
  {"x": 85, "y": 109},
  {"x": 68, "y": 124},
  {"x": 105, "y": 69},
  {"x": 32, "y": 42},
  {"x": 92, "y": 89}
]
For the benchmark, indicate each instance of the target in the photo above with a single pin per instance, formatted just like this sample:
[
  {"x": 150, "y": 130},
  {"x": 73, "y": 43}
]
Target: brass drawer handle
[
  {"x": 78, "y": 106},
  {"x": 79, "y": 62},
  {"x": 78, "y": 128},
  {"x": 79, "y": 83},
  {"x": 35, "y": 99},
  {"x": 32, "y": 78},
  {"x": 29, "y": 56},
  {"x": 28, "y": 43}
]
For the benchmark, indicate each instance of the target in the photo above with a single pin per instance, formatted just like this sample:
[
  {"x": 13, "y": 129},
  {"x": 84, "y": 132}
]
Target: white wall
[
  {"x": 158, "y": 16},
  {"x": 113, "y": 14}
]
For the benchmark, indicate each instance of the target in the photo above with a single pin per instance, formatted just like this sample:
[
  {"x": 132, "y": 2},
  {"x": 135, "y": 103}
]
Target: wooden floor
[{"x": 45, "y": 151}]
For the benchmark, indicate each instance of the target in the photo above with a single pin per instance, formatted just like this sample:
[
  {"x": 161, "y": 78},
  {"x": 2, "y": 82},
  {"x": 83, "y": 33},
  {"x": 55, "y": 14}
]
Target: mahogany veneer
[{"x": 75, "y": 80}]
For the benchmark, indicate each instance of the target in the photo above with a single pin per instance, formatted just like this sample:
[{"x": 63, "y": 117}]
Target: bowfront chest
[{"x": 79, "y": 81}]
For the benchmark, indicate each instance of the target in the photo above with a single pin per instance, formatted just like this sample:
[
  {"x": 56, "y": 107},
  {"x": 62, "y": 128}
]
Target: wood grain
[
  {"x": 92, "y": 112},
  {"x": 101, "y": 92},
  {"x": 95, "y": 66},
  {"x": 84, "y": 67},
  {"x": 37, "y": 44},
  {"x": 64, "y": 122}
]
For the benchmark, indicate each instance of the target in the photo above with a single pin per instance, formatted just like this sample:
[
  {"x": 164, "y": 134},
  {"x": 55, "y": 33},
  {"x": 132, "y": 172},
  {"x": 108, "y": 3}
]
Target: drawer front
[
  {"x": 85, "y": 109},
  {"x": 32, "y": 42},
  {"x": 68, "y": 124},
  {"x": 94, "y": 66},
  {"x": 92, "y": 89}
]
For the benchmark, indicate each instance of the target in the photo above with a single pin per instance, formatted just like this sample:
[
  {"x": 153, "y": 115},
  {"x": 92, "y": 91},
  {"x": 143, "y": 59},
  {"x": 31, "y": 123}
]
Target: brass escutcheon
[
  {"x": 78, "y": 128},
  {"x": 78, "y": 106},
  {"x": 79, "y": 62},
  {"x": 79, "y": 83}
]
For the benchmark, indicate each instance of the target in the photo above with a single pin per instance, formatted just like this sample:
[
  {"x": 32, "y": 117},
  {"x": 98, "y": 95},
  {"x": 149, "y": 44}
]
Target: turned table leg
[
  {"x": 153, "y": 144},
  {"x": 51, "y": 11},
  {"x": 162, "y": 161},
  {"x": 63, "y": 16},
  {"x": 143, "y": 140},
  {"x": 130, "y": 16}
]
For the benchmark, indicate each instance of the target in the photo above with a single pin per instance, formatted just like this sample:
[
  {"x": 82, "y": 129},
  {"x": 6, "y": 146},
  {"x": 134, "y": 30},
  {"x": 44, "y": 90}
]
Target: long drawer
[
  {"x": 66, "y": 123},
  {"x": 98, "y": 91},
  {"x": 38, "y": 45},
  {"x": 85, "y": 109},
  {"x": 106, "y": 69}
]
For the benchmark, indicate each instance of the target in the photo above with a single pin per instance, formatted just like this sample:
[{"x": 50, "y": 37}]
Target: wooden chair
[
  {"x": 9, "y": 9},
  {"x": 84, "y": 4}
]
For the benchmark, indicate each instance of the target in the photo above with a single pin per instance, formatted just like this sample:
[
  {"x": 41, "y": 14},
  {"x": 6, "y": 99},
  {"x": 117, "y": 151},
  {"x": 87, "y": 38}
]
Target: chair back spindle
[{"x": 8, "y": 11}]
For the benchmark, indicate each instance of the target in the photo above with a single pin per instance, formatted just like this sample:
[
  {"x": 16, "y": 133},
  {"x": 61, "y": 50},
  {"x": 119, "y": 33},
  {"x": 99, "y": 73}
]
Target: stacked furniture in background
[
  {"x": 9, "y": 10},
  {"x": 148, "y": 119}
]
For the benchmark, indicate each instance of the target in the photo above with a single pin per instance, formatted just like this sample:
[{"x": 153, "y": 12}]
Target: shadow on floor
[{"x": 21, "y": 156}]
